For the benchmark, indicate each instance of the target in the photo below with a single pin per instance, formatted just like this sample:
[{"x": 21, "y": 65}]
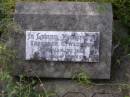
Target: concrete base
[{"x": 68, "y": 88}]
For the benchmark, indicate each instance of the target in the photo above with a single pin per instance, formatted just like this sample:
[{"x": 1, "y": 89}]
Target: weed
[{"x": 82, "y": 77}]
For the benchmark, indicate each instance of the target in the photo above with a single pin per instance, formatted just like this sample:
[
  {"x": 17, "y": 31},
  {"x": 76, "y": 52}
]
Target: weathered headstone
[{"x": 93, "y": 20}]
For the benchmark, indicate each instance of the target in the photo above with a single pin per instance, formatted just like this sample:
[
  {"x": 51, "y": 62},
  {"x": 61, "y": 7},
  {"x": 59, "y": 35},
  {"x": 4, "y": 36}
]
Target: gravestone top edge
[{"x": 65, "y": 8}]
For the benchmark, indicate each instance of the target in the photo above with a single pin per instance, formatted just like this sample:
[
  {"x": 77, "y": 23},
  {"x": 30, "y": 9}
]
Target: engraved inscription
[{"x": 62, "y": 46}]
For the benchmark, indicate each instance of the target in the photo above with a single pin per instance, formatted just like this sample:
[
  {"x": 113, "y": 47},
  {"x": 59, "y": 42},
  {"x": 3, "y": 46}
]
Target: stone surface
[
  {"x": 104, "y": 95},
  {"x": 62, "y": 46},
  {"x": 74, "y": 94},
  {"x": 67, "y": 88},
  {"x": 64, "y": 16}
]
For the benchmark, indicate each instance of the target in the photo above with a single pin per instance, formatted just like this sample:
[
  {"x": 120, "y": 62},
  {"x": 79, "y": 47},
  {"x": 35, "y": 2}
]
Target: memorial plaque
[{"x": 62, "y": 46}]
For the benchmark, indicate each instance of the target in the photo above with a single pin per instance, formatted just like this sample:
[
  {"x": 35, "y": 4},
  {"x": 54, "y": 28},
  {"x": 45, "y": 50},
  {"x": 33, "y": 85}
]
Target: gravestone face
[{"x": 60, "y": 38}]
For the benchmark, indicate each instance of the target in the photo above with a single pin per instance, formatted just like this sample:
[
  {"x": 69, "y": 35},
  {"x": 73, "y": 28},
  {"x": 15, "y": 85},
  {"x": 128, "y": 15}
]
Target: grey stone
[
  {"x": 104, "y": 95},
  {"x": 64, "y": 16},
  {"x": 74, "y": 94},
  {"x": 67, "y": 88}
]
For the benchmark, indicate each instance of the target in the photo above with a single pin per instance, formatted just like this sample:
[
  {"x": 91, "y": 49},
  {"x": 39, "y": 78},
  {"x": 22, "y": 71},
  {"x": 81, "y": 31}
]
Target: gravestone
[{"x": 58, "y": 39}]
